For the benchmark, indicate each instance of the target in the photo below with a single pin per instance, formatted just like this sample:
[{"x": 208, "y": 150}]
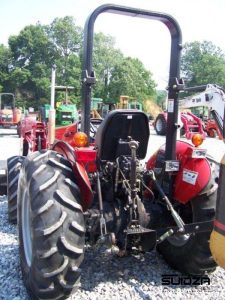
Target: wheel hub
[
  {"x": 159, "y": 125},
  {"x": 178, "y": 239},
  {"x": 26, "y": 228}
]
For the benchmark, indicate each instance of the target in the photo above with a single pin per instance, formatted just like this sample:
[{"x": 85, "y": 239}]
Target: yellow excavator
[{"x": 127, "y": 103}]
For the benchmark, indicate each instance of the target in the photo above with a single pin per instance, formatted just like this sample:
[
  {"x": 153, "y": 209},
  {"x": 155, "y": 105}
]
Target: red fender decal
[
  {"x": 194, "y": 173},
  {"x": 193, "y": 176}
]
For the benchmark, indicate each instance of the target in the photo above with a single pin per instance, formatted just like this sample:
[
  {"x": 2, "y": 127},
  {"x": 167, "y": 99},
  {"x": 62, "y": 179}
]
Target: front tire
[
  {"x": 51, "y": 226},
  {"x": 211, "y": 133},
  {"x": 160, "y": 125}
]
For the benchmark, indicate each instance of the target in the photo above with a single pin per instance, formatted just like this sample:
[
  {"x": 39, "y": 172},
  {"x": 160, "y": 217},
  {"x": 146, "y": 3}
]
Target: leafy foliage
[
  {"x": 36, "y": 48},
  {"x": 161, "y": 96},
  {"x": 105, "y": 57},
  {"x": 25, "y": 66},
  {"x": 5, "y": 64},
  {"x": 129, "y": 77},
  {"x": 203, "y": 63}
]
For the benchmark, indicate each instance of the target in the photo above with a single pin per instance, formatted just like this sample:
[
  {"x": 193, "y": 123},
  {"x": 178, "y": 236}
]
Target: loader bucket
[{"x": 217, "y": 238}]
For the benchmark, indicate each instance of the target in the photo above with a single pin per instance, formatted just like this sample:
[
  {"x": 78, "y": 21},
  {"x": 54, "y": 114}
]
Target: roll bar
[
  {"x": 174, "y": 85},
  {"x": 9, "y": 94}
]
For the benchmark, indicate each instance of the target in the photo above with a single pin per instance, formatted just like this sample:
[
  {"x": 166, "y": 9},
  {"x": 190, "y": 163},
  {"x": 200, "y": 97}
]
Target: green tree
[
  {"x": 36, "y": 49},
  {"x": 31, "y": 46},
  {"x": 161, "y": 96},
  {"x": 5, "y": 65},
  {"x": 105, "y": 57},
  {"x": 32, "y": 59},
  {"x": 26, "y": 65},
  {"x": 129, "y": 77},
  {"x": 203, "y": 63},
  {"x": 66, "y": 39}
]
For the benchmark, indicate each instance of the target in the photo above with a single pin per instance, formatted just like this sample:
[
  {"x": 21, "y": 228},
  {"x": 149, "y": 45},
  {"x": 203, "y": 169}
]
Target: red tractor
[
  {"x": 191, "y": 125},
  {"x": 100, "y": 192},
  {"x": 9, "y": 114},
  {"x": 211, "y": 97}
]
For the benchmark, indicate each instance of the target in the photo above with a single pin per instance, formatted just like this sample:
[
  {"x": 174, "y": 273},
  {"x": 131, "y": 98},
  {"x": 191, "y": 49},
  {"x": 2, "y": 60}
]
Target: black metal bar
[
  {"x": 218, "y": 121},
  {"x": 206, "y": 226},
  {"x": 174, "y": 71},
  {"x": 197, "y": 88}
]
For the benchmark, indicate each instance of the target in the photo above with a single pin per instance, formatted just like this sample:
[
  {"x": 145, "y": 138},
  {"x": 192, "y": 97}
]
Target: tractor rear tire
[
  {"x": 14, "y": 164},
  {"x": 51, "y": 226},
  {"x": 192, "y": 255},
  {"x": 160, "y": 125}
]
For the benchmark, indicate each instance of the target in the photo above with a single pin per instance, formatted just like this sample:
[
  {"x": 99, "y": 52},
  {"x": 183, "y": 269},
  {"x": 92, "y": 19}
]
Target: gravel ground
[{"x": 104, "y": 276}]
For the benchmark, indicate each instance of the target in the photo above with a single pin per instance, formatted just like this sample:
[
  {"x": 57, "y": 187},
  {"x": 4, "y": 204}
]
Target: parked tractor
[
  {"x": 9, "y": 114},
  {"x": 66, "y": 112},
  {"x": 101, "y": 193},
  {"x": 189, "y": 124},
  {"x": 211, "y": 97}
]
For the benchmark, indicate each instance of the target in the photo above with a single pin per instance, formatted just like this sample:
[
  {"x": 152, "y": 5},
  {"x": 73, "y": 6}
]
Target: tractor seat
[{"x": 114, "y": 131}]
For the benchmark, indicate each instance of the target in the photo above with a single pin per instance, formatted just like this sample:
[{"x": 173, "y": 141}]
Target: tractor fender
[
  {"x": 79, "y": 170},
  {"x": 66, "y": 133},
  {"x": 194, "y": 173}
]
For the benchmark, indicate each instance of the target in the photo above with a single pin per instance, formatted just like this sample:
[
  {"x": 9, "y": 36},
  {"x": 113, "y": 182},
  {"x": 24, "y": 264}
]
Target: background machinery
[
  {"x": 66, "y": 112},
  {"x": 97, "y": 190},
  {"x": 99, "y": 108},
  {"x": 9, "y": 114},
  {"x": 189, "y": 124},
  {"x": 34, "y": 127},
  {"x": 211, "y": 97},
  {"x": 125, "y": 102}
]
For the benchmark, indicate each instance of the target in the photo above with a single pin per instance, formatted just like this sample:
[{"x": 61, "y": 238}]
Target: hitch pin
[{"x": 165, "y": 235}]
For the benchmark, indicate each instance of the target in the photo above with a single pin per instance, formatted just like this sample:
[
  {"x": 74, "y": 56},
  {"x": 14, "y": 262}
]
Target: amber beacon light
[
  {"x": 80, "y": 139},
  {"x": 197, "y": 139}
]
